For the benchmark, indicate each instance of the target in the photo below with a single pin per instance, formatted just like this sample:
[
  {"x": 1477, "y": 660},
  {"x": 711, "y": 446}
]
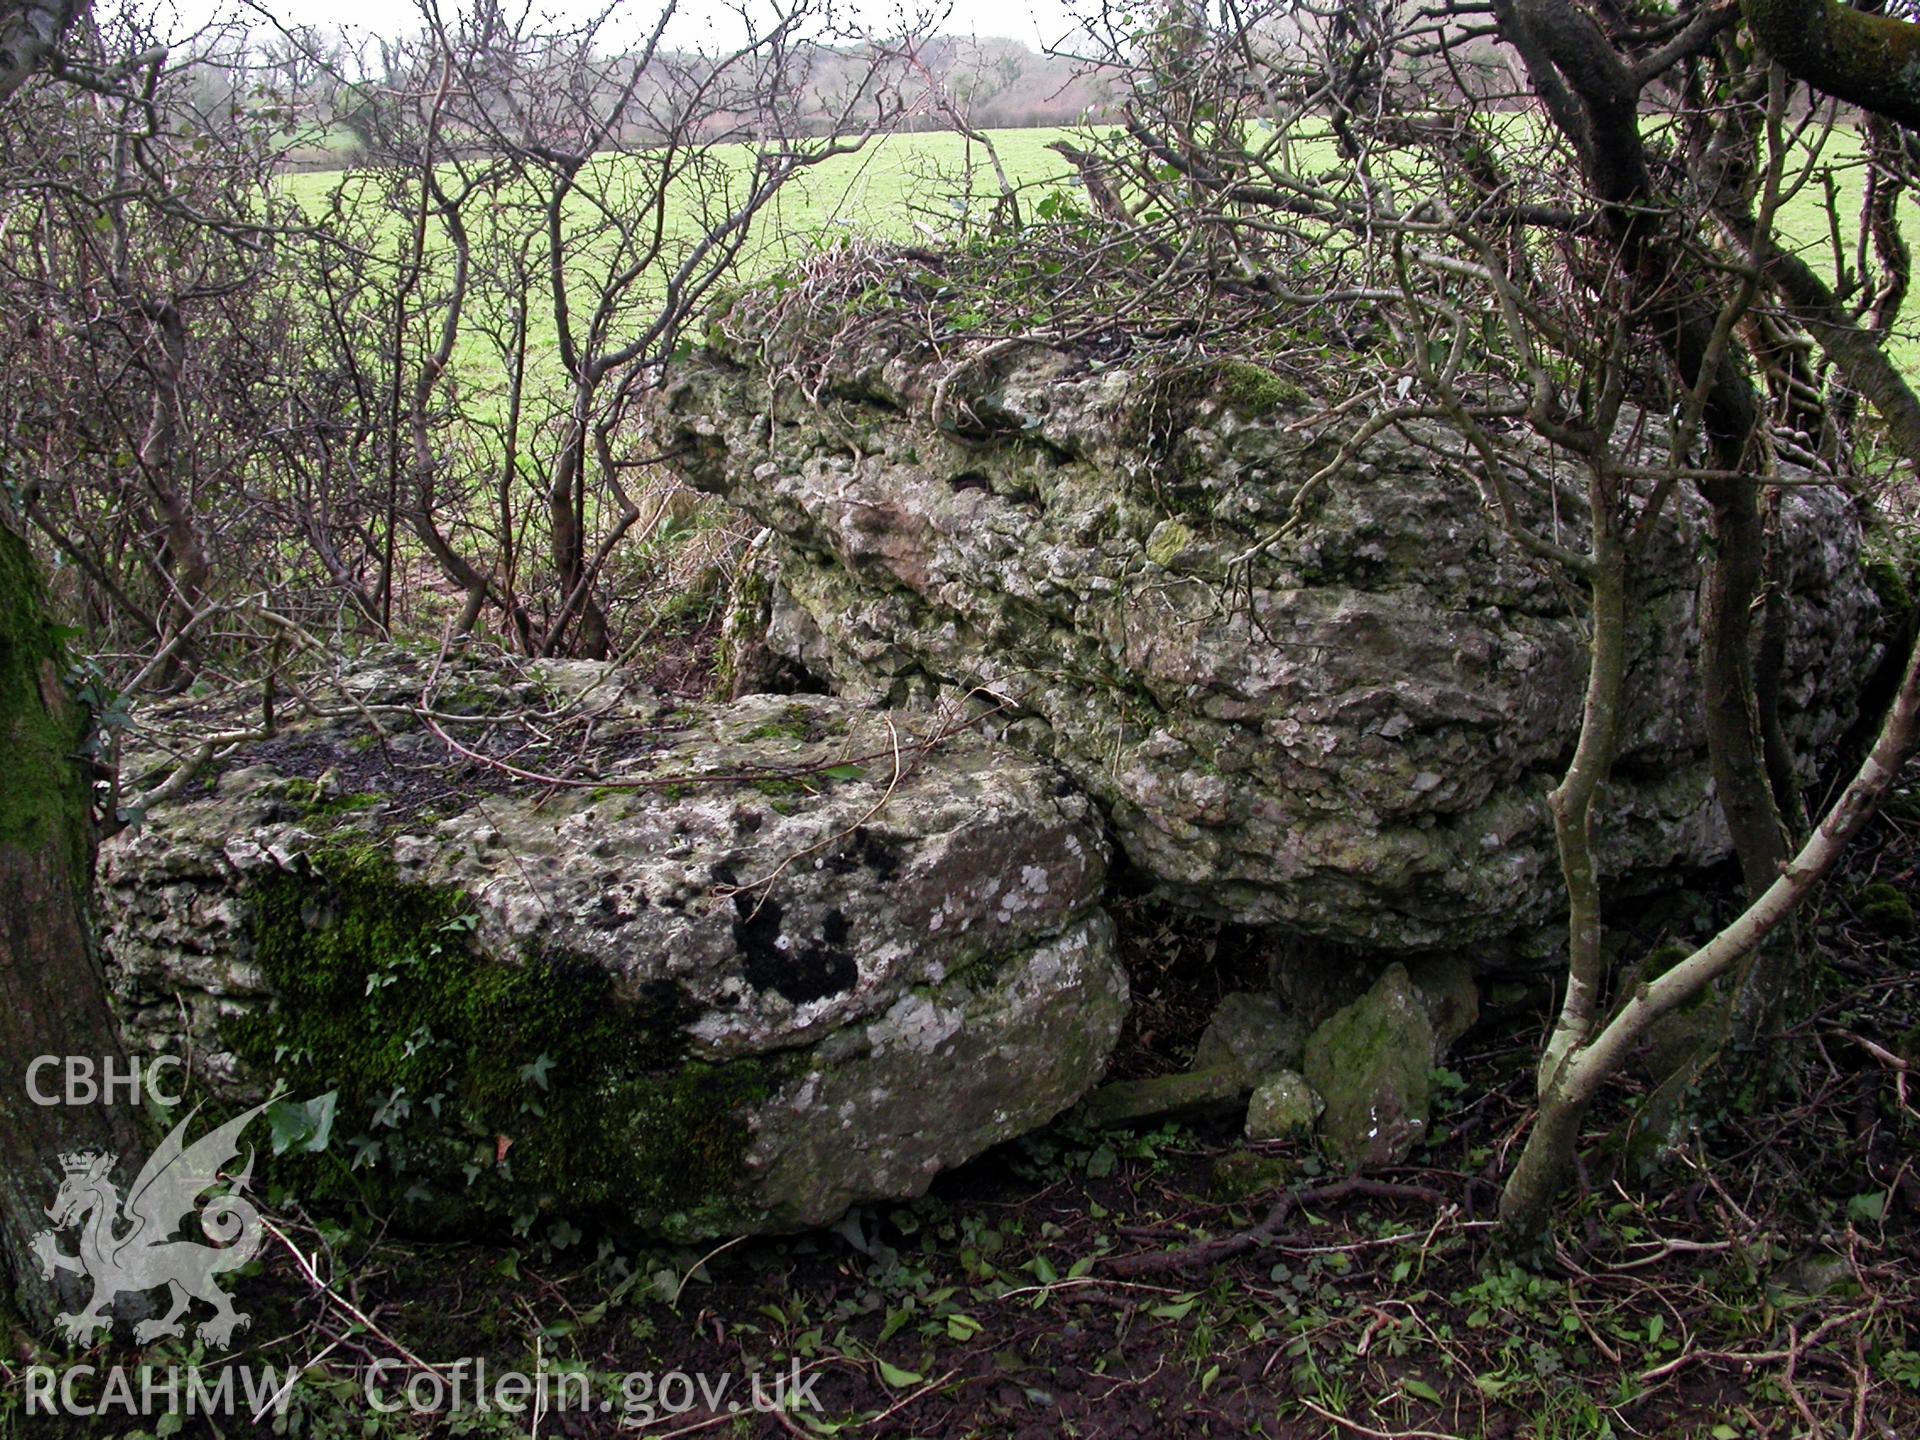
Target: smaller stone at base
[{"x": 1283, "y": 1105}]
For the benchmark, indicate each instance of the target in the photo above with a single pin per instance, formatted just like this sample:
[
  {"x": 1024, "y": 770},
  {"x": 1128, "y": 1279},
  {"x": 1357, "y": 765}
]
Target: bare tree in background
[
  {"x": 241, "y": 402},
  {"x": 141, "y": 235},
  {"x": 538, "y": 218},
  {"x": 231, "y": 414}
]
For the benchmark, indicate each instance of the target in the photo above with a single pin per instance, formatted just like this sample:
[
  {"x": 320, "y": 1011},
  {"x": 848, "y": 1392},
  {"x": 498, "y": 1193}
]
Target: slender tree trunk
[
  {"x": 1573, "y": 799},
  {"x": 1538, "y": 1176},
  {"x": 1732, "y": 720},
  {"x": 567, "y": 515},
  {"x": 52, "y": 992},
  {"x": 185, "y": 564},
  {"x": 1738, "y": 759},
  {"x": 1546, "y": 1160}
]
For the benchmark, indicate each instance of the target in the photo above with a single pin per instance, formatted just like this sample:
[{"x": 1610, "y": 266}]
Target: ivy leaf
[
  {"x": 1871, "y": 1206},
  {"x": 536, "y": 1070},
  {"x": 306, "y": 1124}
]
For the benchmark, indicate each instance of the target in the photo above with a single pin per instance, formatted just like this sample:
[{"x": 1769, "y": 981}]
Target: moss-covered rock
[
  {"x": 1673, "y": 1041},
  {"x": 505, "y": 1088},
  {"x": 1282, "y": 1106},
  {"x": 1372, "y": 1065},
  {"x": 1186, "y": 1095},
  {"x": 1446, "y": 986},
  {"x": 1253, "y": 1032},
  {"x": 744, "y": 664},
  {"x": 658, "y": 997},
  {"x": 1247, "y": 1174}
]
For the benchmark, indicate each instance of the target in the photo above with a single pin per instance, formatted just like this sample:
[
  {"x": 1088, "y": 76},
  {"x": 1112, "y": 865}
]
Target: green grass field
[
  {"x": 898, "y": 188},
  {"x": 874, "y": 190},
  {"x": 917, "y": 187}
]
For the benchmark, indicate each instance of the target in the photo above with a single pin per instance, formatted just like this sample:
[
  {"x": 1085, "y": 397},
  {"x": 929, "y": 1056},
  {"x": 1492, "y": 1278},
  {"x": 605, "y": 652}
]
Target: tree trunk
[
  {"x": 28, "y": 34},
  {"x": 1546, "y": 1159},
  {"x": 52, "y": 993},
  {"x": 183, "y": 557},
  {"x": 1872, "y": 61},
  {"x": 1533, "y": 1187}
]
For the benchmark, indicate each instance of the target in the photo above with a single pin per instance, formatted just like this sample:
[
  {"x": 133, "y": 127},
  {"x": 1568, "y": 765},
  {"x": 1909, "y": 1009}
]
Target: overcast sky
[{"x": 696, "y": 22}]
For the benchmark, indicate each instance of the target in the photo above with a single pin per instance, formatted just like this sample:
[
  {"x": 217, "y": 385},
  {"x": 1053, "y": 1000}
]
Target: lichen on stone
[
  {"x": 625, "y": 997},
  {"x": 1332, "y": 704}
]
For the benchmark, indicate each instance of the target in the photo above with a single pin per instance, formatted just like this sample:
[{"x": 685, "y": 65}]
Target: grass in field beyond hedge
[
  {"x": 899, "y": 187},
  {"x": 916, "y": 188}
]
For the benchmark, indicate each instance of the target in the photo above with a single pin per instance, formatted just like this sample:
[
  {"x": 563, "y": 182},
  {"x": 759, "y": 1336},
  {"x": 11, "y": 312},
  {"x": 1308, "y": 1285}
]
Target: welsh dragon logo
[{"x": 130, "y": 1245}]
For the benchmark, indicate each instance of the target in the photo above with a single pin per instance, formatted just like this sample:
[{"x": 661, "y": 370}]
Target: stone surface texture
[
  {"x": 860, "y": 947},
  {"x": 1372, "y": 1066},
  {"x": 1282, "y": 1106},
  {"x": 1335, "y": 707}
]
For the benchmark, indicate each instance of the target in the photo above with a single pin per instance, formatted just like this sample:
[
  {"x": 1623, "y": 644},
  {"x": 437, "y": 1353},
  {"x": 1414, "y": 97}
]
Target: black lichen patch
[
  {"x": 798, "y": 973},
  {"x": 878, "y": 855},
  {"x": 869, "y": 853}
]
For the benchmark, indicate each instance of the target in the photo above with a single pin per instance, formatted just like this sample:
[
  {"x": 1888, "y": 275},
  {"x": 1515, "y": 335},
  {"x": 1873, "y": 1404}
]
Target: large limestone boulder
[
  {"x": 1333, "y": 707},
  {"x": 777, "y": 957}
]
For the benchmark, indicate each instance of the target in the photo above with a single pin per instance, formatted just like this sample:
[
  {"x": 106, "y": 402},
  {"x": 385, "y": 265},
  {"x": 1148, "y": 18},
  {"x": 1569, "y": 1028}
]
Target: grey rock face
[
  {"x": 1252, "y": 1032},
  {"x": 1336, "y": 708},
  {"x": 779, "y": 957},
  {"x": 1185, "y": 1095},
  {"x": 1447, "y": 988}
]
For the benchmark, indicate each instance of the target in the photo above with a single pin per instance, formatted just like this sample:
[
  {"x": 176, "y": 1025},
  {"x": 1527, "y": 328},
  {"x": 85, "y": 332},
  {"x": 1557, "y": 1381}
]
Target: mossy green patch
[
  {"x": 477, "y": 1091},
  {"x": 615, "y": 801},
  {"x": 1162, "y": 402},
  {"x": 1160, "y": 408},
  {"x": 1167, "y": 542},
  {"x": 474, "y": 701},
  {"x": 779, "y": 730},
  {"x": 1371, "y": 1063},
  {"x": 744, "y": 628},
  {"x": 1243, "y": 1175},
  {"x": 45, "y": 798},
  {"x": 317, "y": 804},
  {"x": 781, "y": 789},
  {"x": 1884, "y": 908},
  {"x": 1256, "y": 391},
  {"x": 1663, "y": 959},
  {"x": 1888, "y": 578}
]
